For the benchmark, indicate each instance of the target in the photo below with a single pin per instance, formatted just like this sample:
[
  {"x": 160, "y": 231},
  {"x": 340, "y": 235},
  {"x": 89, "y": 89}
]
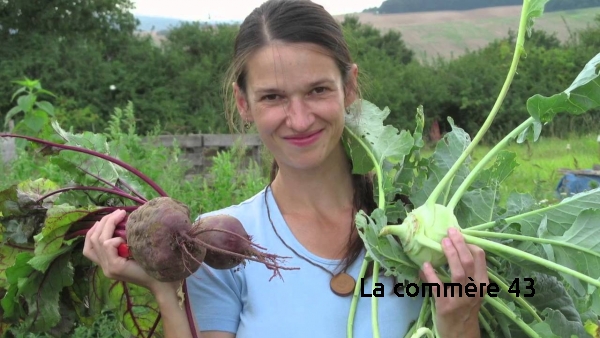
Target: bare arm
[
  {"x": 175, "y": 321},
  {"x": 101, "y": 248}
]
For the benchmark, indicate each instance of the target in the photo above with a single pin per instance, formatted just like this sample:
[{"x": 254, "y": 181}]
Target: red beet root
[
  {"x": 155, "y": 238},
  {"x": 162, "y": 239}
]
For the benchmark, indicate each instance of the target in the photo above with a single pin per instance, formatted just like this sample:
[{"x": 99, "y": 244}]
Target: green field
[
  {"x": 450, "y": 34},
  {"x": 539, "y": 163}
]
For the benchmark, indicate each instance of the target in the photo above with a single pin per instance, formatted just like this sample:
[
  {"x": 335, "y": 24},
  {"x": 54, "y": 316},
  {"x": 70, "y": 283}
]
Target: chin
[{"x": 314, "y": 160}]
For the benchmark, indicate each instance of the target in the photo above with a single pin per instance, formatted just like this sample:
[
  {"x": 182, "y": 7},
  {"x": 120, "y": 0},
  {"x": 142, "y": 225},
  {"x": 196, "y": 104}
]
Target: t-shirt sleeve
[{"x": 215, "y": 297}]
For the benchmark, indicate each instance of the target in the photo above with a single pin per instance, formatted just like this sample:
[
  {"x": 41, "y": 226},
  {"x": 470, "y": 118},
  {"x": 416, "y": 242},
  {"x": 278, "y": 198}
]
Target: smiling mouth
[
  {"x": 303, "y": 137},
  {"x": 304, "y": 140}
]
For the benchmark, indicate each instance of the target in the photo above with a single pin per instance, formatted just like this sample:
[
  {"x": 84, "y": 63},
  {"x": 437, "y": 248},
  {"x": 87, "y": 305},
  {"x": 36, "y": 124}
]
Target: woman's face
[{"x": 295, "y": 97}]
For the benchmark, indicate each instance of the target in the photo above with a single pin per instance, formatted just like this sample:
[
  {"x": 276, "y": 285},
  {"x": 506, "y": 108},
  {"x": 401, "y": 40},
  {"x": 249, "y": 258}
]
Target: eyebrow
[{"x": 267, "y": 90}]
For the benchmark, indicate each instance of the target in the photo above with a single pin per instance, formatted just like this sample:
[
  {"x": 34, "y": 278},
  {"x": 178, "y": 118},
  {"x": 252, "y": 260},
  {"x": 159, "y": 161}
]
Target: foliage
[
  {"x": 407, "y": 6},
  {"x": 177, "y": 80},
  {"x": 42, "y": 242}
]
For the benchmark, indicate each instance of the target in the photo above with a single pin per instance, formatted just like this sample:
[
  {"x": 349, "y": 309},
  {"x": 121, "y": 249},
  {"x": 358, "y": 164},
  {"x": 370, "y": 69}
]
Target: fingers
[
  {"x": 429, "y": 275},
  {"x": 99, "y": 234},
  {"x": 88, "y": 247},
  {"x": 109, "y": 223},
  {"x": 460, "y": 259},
  {"x": 481, "y": 273}
]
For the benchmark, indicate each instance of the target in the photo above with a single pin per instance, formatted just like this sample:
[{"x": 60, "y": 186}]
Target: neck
[{"x": 321, "y": 190}]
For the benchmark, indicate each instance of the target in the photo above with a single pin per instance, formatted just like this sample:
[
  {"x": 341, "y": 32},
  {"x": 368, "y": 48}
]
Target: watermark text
[{"x": 450, "y": 289}]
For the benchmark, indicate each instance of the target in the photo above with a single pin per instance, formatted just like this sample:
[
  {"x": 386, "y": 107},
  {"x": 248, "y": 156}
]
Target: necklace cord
[{"x": 284, "y": 243}]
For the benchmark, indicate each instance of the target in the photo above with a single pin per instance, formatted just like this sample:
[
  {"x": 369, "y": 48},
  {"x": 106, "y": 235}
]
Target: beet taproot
[
  {"x": 169, "y": 247},
  {"x": 154, "y": 237},
  {"x": 229, "y": 244}
]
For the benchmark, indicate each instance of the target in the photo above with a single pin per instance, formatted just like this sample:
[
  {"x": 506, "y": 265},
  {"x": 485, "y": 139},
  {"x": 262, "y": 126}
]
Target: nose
[{"x": 299, "y": 116}]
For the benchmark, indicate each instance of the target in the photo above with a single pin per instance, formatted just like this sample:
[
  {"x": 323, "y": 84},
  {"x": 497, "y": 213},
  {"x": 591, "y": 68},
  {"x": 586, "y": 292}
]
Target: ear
[
  {"x": 352, "y": 86},
  {"x": 242, "y": 103}
]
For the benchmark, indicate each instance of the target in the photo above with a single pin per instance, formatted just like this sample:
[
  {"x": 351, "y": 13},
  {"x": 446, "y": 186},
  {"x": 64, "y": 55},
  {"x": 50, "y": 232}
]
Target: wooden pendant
[{"x": 342, "y": 284}]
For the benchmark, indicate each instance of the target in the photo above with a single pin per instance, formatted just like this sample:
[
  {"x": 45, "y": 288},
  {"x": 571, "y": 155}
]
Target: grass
[
  {"x": 538, "y": 167},
  {"x": 539, "y": 163}
]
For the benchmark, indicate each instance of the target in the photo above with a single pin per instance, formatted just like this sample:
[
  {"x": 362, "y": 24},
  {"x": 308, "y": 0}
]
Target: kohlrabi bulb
[{"x": 422, "y": 232}]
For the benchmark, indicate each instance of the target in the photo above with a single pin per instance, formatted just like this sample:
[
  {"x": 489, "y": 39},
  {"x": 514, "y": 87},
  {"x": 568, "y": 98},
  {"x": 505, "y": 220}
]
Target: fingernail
[
  {"x": 446, "y": 241},
  {"x": 452, "y": 231}
]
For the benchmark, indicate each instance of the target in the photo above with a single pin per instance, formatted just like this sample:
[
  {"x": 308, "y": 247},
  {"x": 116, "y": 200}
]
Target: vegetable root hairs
[{"x": 269, "y": 260}]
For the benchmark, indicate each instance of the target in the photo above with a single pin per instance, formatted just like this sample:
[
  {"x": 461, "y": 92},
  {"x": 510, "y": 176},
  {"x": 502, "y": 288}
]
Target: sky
[{"x": 231, "y": 10}]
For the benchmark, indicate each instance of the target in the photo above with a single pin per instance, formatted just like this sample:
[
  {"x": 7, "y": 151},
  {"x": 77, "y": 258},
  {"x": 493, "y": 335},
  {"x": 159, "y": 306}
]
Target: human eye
[
  {"x": 269, "y": 97},
  {"x": 320, "y": 90}
]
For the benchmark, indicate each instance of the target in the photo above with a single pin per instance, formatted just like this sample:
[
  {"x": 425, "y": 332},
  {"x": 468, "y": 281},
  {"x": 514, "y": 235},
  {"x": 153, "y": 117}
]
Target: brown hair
[{"x": 297, "y": 21}]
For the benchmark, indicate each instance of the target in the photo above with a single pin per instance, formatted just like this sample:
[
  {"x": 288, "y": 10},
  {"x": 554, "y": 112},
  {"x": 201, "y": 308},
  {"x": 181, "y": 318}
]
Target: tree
[{"x": 95, "y": 19}]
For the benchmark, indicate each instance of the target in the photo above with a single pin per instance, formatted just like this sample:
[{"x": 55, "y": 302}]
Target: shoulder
[{"x": 246, "y": 211}]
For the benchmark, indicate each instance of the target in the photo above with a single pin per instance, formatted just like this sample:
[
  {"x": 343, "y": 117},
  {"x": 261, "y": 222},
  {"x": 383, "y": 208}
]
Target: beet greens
[{"x": 40, "y": 276}]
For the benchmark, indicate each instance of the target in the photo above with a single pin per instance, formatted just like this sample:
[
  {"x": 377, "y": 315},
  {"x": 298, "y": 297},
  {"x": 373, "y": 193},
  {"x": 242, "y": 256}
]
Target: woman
[{"x": 293, "y": 79}]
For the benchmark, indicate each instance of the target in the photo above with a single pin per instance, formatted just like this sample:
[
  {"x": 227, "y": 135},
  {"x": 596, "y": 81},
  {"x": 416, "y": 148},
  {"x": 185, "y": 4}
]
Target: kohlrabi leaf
[
  {"x": 478, "y": 206},
  {"x": 412, "y": 172},
  {"x": 550, "y": 293},
  {"x": 585, "y": 258},
  {"x": 502, "y": 168},
  {"x": 519, "y": 203},
  {"x": 378, "y": 143},
  {"x": 447, "y": 152},
  {"x": 581, "y": 96},
  {"x": 386, "y": 249},
  {"x": 560, "y": 216},
  {"x": 535, "y": 10},
  {"x": 563, "y": 327},
  {"x": 481, "y": 203},
  {"x": 413, "y": 162}
]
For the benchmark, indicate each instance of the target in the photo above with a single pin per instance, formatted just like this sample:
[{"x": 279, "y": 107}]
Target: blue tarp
[{"x": 571, "y": 184}]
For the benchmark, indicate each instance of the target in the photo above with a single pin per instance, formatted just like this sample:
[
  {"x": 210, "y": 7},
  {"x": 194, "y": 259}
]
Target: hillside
[
  {"x": 447, "y": 33},
  {"x": 450, "y": 33},
  {"x": 412, "y": 6}
]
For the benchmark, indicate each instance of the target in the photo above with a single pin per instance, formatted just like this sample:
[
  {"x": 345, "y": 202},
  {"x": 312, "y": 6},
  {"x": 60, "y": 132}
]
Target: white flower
[{"x": 113, "y": 87}]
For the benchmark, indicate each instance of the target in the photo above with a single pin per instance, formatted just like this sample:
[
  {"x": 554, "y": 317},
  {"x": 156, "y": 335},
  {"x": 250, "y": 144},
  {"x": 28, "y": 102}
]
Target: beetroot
[
  {"x": 169, "y": 247},
  {"x": 227, "y": 242},
  {"x": 154, "y": 236}
]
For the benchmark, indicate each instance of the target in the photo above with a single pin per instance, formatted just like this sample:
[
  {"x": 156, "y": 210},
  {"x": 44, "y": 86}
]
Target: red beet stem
[
  {"x": 136, "y": 172},
  {"x": 106, "y": 190}
]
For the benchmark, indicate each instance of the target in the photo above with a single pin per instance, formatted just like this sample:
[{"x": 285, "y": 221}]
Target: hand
[
  {"x": 101, "y": 248},
  {"x": 458, "y": 316}
]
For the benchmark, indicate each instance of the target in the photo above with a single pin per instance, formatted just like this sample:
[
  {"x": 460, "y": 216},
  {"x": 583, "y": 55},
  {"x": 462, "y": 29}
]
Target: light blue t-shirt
[{"x": 300, "y": 305}]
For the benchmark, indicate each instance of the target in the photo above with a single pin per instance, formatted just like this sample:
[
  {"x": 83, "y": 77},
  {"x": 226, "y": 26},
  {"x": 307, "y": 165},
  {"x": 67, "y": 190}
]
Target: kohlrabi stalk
[
  {"x": 462, "y": 189},
  {"x": 513, "y": 316},
  {"x": 488, "y": 122},
  {"x": 355, "y": 297},
  {"x": 499, "y": 235},
  {"x": 375, "y": 278},
  {"x": 504, "y": 287},
  {"x": 515, "y": 218},
  {"x": 492, "y": 246}
]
